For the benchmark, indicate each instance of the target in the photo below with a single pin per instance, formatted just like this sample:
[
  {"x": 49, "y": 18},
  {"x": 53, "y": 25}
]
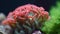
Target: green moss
[{"x": 52, "y": 26}]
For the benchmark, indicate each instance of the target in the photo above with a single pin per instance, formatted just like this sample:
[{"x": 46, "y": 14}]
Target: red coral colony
[{"x": 26, "y": 19}]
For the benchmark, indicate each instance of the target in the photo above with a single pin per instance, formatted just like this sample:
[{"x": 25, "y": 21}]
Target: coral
[
  {"x": 2, "y": 17},
  {"x": 37, "y": 32},
  {"x": 5, "y": 29},
  {"x": 53, "y": 25},
  {"x": 26, "y": 19},
  {"x": 2, "y": 31}
]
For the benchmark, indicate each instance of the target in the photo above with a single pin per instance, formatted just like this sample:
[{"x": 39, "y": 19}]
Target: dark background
[{"x": 9, "y": 5}]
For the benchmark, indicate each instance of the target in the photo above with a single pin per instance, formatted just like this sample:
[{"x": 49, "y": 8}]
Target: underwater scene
[{"x": 30, "y": 17}]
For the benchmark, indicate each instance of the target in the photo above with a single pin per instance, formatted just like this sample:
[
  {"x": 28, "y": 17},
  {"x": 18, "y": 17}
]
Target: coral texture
[{"x": 27, "y": 18}]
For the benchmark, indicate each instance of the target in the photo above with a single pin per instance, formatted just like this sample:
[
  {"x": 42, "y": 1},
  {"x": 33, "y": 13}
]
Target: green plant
[{"x": 52, "y": 26}]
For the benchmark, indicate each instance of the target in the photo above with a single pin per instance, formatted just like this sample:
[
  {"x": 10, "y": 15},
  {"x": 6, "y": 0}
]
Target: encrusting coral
[{"x": 26, "y": 19}]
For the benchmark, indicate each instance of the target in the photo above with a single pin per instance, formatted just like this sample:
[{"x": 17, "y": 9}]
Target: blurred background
[{"x": 9, "y": 5}]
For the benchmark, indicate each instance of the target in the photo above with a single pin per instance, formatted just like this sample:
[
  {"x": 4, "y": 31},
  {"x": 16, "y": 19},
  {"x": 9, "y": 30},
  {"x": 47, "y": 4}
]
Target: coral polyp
[{"x": 26, "y": 19}]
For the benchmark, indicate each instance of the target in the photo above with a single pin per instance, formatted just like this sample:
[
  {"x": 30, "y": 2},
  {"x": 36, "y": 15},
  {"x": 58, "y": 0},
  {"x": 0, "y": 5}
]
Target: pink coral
[{"x": 26, "y": 12}]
